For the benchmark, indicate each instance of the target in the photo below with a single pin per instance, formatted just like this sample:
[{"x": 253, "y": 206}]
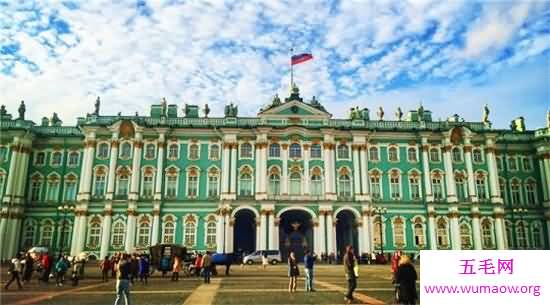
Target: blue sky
[{"x": 453, "y": 56}]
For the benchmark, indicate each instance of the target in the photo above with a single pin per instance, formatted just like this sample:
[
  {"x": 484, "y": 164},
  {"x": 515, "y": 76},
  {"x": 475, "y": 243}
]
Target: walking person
[
  {"x": 309, "y": 261},
  {"x": 46, "y": 263},
  {"x": 15, "y": 270},
  {"x": 350, "y": 266},
  {"x": 176, "y": 268},
  {"x": 134, "y": 267},
  {"x": 144, "y": 268},
  {"x": 114, "y": 263},
  {"x": 198, "y": 264},
  {"x": 123, "y": 280},
  {"x": 293, "y": 272},
  {"x": 60, "y": 269},
  {"x": 206, "y": 265},
  {"x": 405, "y": 279},
  {"x": 395, "y": 263},
  {"x": 28, "y": 267},
  {"x": 105, "y": 267}
]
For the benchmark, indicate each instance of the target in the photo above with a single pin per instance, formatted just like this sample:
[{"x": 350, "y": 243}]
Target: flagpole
[{"x": 291, "y": 69}]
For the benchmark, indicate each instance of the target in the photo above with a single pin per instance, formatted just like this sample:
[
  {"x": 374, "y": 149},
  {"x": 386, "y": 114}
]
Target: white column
[
  {"x": 361, "y": 238},
  {"x": 3, "y": 234},
  {"x": 284, "y": 174},
  {"x": 328, "y": 156},
  {"x": 156, "y": 228},
  {"x": 263, "y": 177},
  {"x": 547, "y": 173},
  {"x": 432, "y": 229},
  {"x": 500, "y": 231},
  {"x": 366, "y": 232},
  {"x": 356, "y": 173},
  {"x": 81, "y": 236},
  {"x": 365, "y": 187},
  {"x": 275, "y": 229},
  {"x": 322, "y": 233},
  {"x": 476, "y": 228},
  {"x": 258, "y": 171},
  {"x": 449, "y": 174},
  {"x": 225, "y": 170},
  {"x": 493, "y": 175},
  {"x": 316, "y": 235},
  {"x": 12, "y": 173},
  {"x": 263, "y": 226},
  {"x": 258, "y": 234},
  {"x": 136, "y": 168},
  {"x": 219, "y": 233},
  {"x": 74, "y": 235},
  {"x": 270, "y": 225},
  {"x": 306, "y": 169},
  {"x": 470, "y": 172},
  {"x": 330, "y": 229},
  {"x": 106, "y": 233},
  {"x": 230, "y": 235},
  {"x": 426, "y": 171},
  {"x": 545, "y": 185},
  {"x": 160, "y": 167},
  {"x": 455, "y": 230},
  {"x": 112, "y": 167},
  {"x": 130, "y": 230},
  {"x": 233, "y": 172}
]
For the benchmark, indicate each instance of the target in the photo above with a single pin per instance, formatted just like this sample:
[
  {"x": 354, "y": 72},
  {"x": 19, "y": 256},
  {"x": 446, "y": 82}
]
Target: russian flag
[{"x": 300, "y": 58}]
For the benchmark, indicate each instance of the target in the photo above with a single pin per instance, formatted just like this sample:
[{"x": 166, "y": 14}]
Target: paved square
[{"x": 245, "y": 285}]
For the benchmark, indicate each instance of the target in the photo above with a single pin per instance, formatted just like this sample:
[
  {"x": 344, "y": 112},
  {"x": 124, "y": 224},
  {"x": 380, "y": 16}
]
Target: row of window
[
  {"x": 56, "y": 158},
  {"x": 514, "y": 163},
  {"x": 150, "y": 151}
]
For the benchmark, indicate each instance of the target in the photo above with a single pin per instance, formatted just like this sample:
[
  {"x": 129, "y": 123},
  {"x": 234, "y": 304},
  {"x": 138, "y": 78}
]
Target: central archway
[
  {"x": 245, "y": 231},
  {"x": 295, "y": 233},
  {"x": 346, "y": 232}
]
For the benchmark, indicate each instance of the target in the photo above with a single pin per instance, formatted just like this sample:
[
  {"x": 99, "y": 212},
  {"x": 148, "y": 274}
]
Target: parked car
[{"x": 273, "y": 257}]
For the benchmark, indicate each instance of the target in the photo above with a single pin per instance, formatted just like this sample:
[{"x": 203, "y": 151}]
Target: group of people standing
[{"x": 138, "y": 265}]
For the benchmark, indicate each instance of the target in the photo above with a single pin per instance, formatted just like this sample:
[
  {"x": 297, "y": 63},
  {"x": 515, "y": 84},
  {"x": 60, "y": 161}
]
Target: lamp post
[
  {"x": 64, "y": 210},
  {"x": 381, "y": 211},
  {"x": 521, "y": 212}
]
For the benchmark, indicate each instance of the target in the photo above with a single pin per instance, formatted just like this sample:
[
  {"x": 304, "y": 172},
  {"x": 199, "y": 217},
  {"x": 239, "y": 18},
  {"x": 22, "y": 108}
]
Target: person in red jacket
[
  {"x": 105, "y": 267},
  {"x": 198, "y": 265},
  {"x": 395, "y": 262},
  {"x": 46, "y": 263}
]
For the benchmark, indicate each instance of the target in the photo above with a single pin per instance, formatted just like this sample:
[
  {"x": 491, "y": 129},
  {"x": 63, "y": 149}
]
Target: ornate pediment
[{"x": 294, "y": 107}]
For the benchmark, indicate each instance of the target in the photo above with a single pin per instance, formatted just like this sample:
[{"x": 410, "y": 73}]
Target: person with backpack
[
  {"x": 350, "y": 269},
  {"x": 60, "y": 269},
  {"x": 309, "y": 261},
  {"x": 14, "y": 269},
  {"x": 123, "y": 280},
  {"x": 144, "y": 268}
]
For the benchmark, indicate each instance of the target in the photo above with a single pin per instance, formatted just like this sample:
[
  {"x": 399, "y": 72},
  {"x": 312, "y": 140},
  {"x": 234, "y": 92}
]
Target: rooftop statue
[
  {"x": 485, "y": 118},
  {"x": 398, "y": 114},
  {"x": 206, "y": 110},
  {"x": 3, "y": 110},
  {"x": 548, "y": 119},
  {"x": 231, "y": 110},
  {"x": 163, "y": 105},
  {"x": 22, "y": 111},
  {"x": 354, "y": 113},
  {"x": 380, "y": 113},
  {"x": 96, "y": 106},
  {"x": 55, "y": 120},
  {"x": 137, "y": 114},
  {"x": 421, "y": 112},
  {"x": 276, "y": 100},
  {"x": 518, "y": 124}
]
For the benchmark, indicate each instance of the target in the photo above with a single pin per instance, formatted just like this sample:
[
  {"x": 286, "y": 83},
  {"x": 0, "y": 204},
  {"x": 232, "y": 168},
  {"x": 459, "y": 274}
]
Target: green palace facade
[{"x": 290, "y": 178}]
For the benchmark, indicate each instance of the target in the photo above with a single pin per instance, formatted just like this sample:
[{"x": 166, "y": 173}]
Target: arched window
[
  {"x": 117, "y": 237},
  {"x": 378, "y": 227},
  {"x": 537, "y": 236},
  {"x": 73, "y": 159},
  {"x": 274, "y": 182},
  {"x": 373, "y": 154},
  {"x": 499, "y": 163},
  {"x": 395, "y": 185},
  {"x": 530, "y": 192},
  {"x": 57, "y": 157},
  {"x": 460, "y": 186},
  {"x": 512, "y": 163},
  {"x": 214, "y": 152},
  {"x": 211, "y": 232},
  {"x": 150, "y": 151},
  {"x": 193, "y": 182},
  {"x": 123, "y": 180},
  {"x": 46, "y": 233},
  {"x": 173, "y": 151},
  {"x": 190, "y": 231},
  {"x": 414, "y": 183},
  {"x": 274, "y": 150},
  {"x": 29, "y": 233},
  {"x": 476, "y": 155},
  {"x": 527, "y": 165},
  {"x": 103, "y": 151},
  {"x": 316, "y": 186},
  {"x": 125, "y": 150},
  {"x": 375, "y": 189},
  {"x": 246, "y": 150},
  {"x": 343, "y": 151},
  {"x": 40, "y": 158},
  {"x": 36, "y": 187},
  {"x": 509, "y": 235},
  {"x": 411, "y": 154},
  {"x": 53, "y": 187},
  {"x": 398, "y": 232},
  {"x": 143, "y": 232},
  {"x": 457, "y": 155},
  {"x": 193, "y": 152},
  {"x": 344, "y": 183},
  {"x": 442, "y": 234},
  {"x": 147, "y": 187},
  {"x": 393, "y": 154},
  {"x": 213, "y": 182},
  {"x": 245, "y": 182},
  {"x": 315, "y": 151},
  {"x": 94, "y": 232},
  {"x": 481, "y": 186},
  {"x": 171, "y": 182},
  {"x": 419, "y": 236},
  {"x": 521, "y": 235},
  {"x": 168, "y": 231},
  {"x": 465, "y": 236},
  {"x": 295, "y": 182},
  {"x": 434, "y": 155},
  {"x": 437, "y": 186},
  {"x": 487, "y": 233},
  {"x": 295, "y": 150},
  {"x": 515, "y": 191}
]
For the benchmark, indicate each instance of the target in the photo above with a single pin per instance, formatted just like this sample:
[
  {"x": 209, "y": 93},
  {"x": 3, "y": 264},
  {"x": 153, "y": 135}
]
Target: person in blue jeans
[
  {"x": 309, "y": 261},
  {"x": 123, "y": 281}
]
